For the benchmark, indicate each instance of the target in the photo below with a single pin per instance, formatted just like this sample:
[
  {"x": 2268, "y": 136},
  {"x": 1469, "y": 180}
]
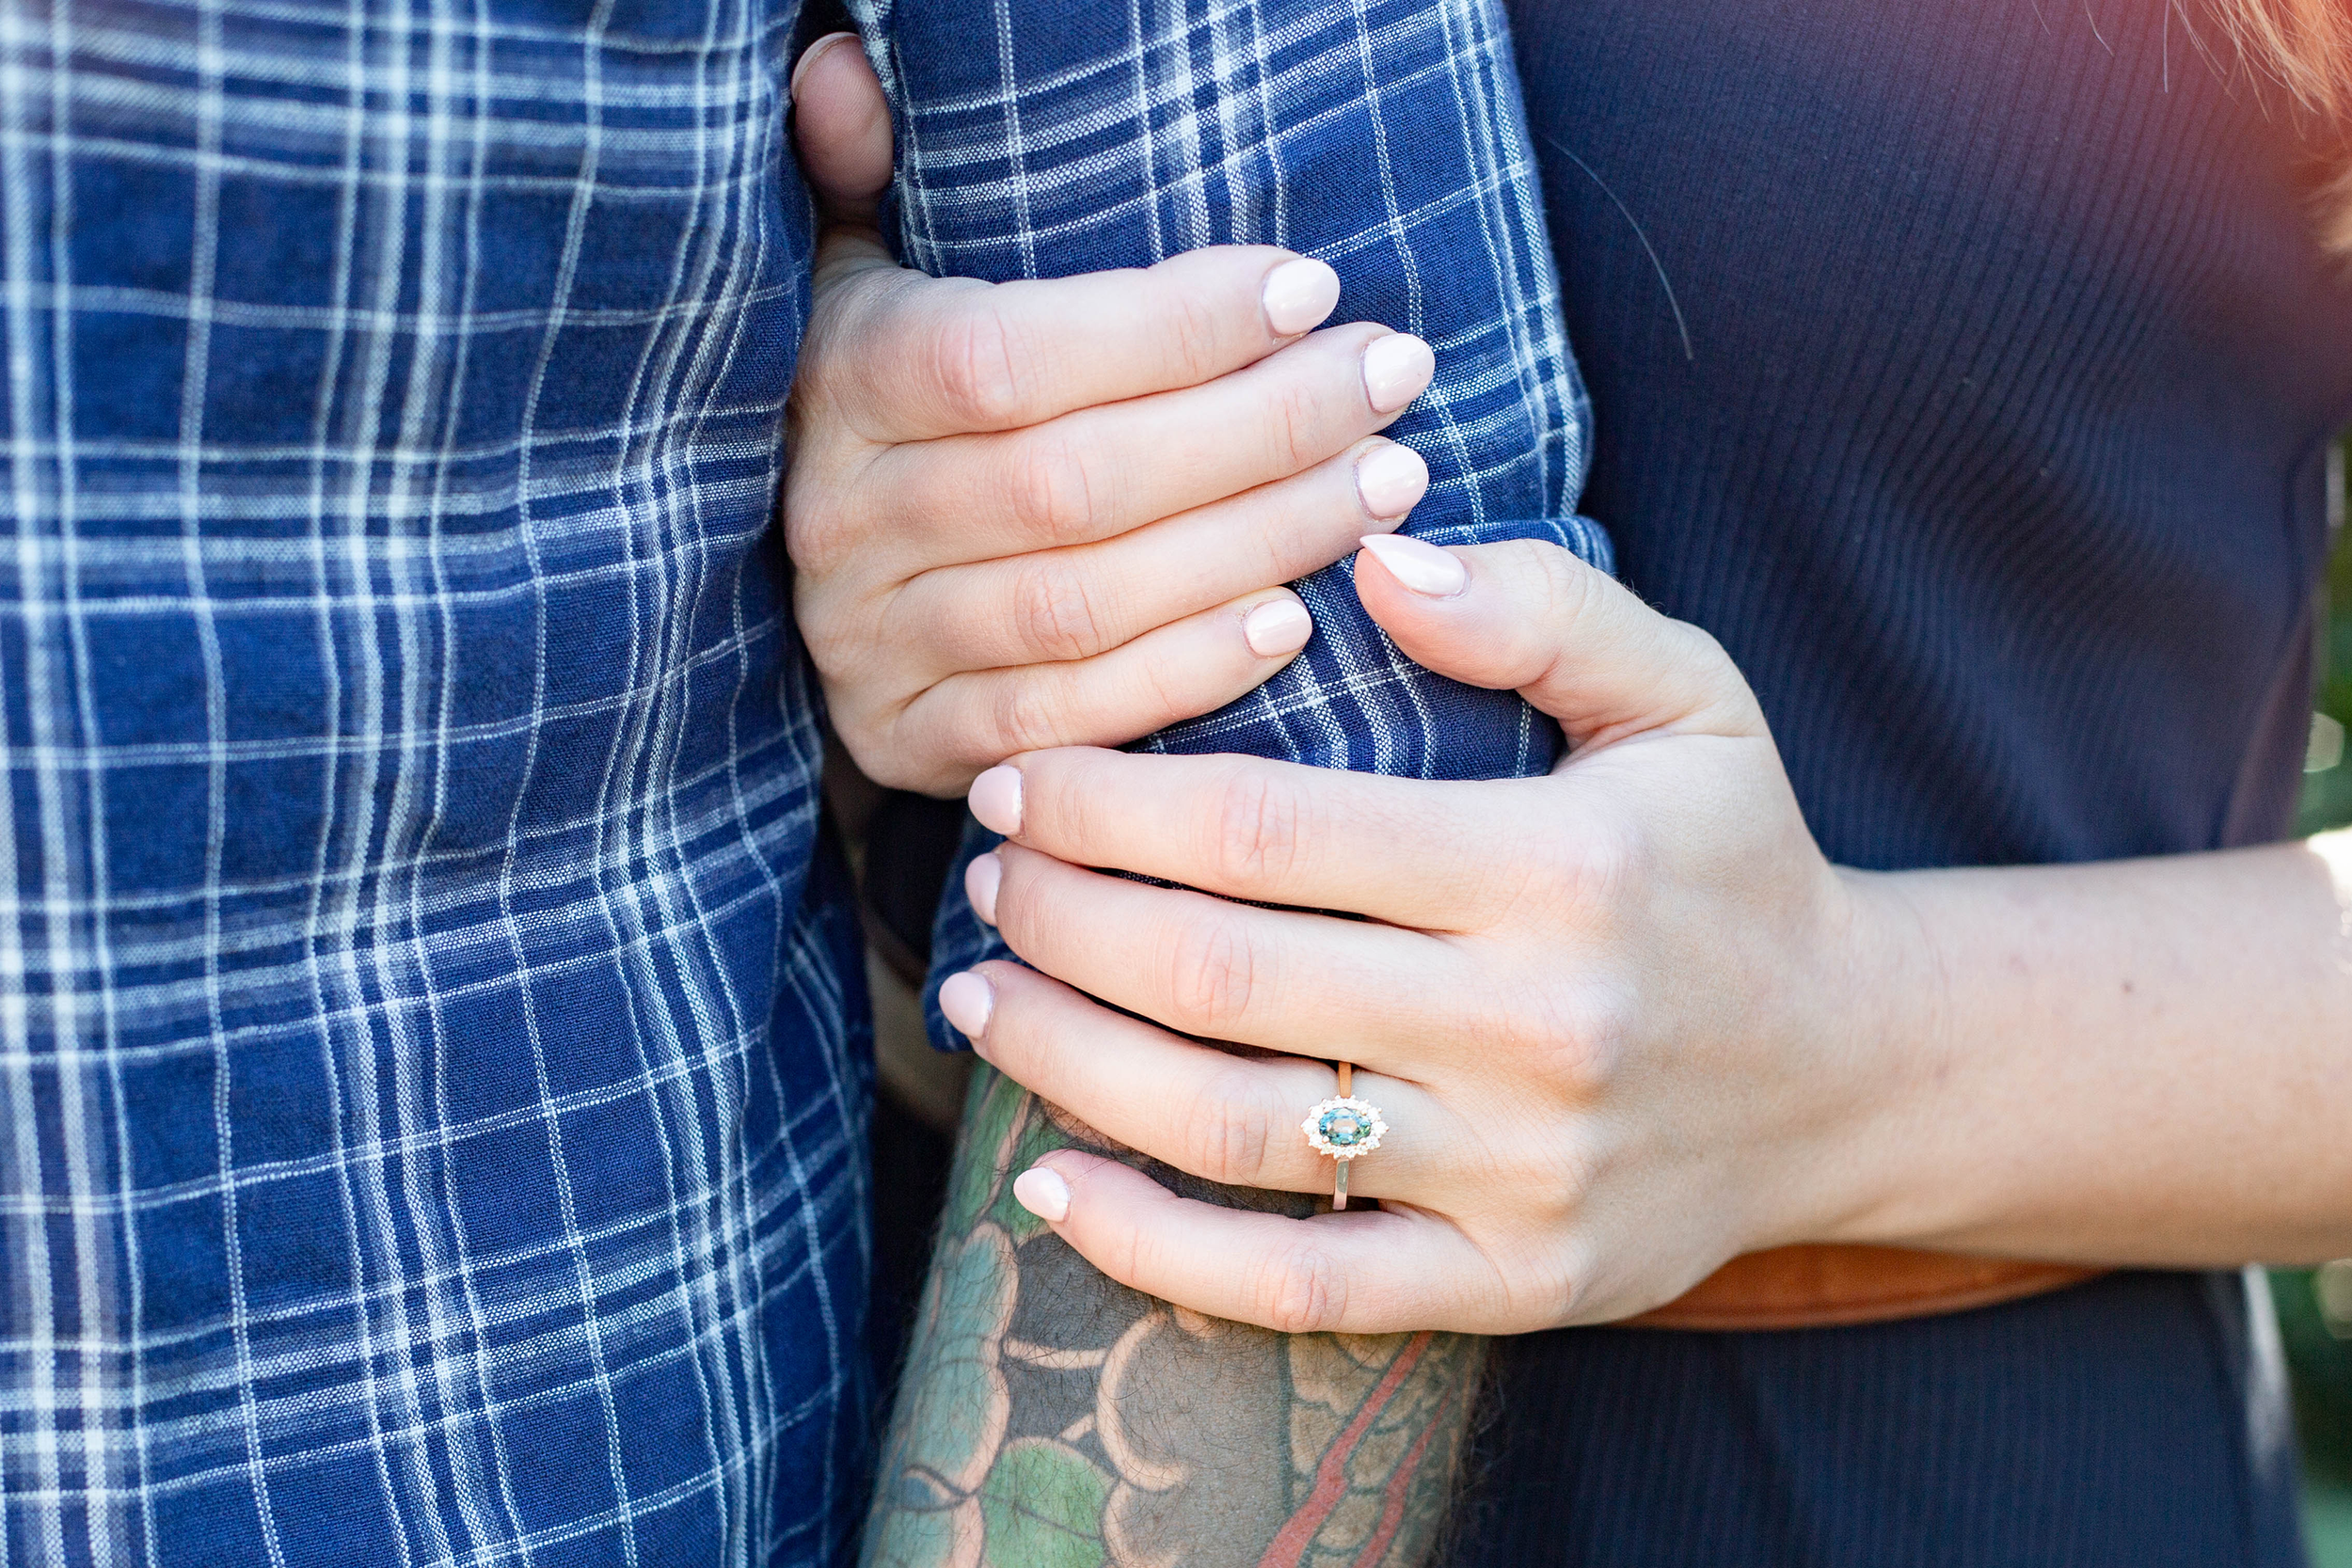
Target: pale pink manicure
[
  {"x": 995, "y": 799},
  {"x": 1298, "y": 295},
  {"x": 1421, "y": 567},
  {"x": 966, "y": 1001},
  {"x": 981, "y": 879},
  {"x": 1390, "y": 481},
  {"x": 1043, "y": 1193},
  {"x": 1397, "y": 368},
  {"x": 1276, "y": 627}
]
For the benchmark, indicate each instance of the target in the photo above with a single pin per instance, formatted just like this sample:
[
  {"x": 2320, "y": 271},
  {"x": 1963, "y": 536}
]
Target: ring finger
[{"x": 1226, "y": 1118}]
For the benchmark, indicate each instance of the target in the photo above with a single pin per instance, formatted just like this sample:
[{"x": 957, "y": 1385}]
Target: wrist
[{"x": 1876, "y": 1051}]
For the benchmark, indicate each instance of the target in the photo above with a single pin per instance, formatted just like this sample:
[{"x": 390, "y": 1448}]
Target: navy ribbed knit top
[
  {"x": 1968, "y": 370},
  {"x": 1967, "y": 366}
]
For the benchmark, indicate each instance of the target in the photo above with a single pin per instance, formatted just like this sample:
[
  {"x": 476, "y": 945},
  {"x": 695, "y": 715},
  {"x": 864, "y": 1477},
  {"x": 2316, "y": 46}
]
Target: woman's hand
[
  {"x": 1607, "y": 1013},
  {"x": 1057, "y": 513}
]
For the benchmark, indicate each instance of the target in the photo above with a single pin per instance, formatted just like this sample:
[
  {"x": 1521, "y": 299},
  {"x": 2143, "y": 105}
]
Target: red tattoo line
[
  {"x": 1298, "y": 1532},
  {"x": 1400, "y": 1483}
]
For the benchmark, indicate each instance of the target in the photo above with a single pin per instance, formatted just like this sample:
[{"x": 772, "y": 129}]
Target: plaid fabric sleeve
[
  {"x": 1386, "y": 136},
  {"x": 432, "y": 1090}
]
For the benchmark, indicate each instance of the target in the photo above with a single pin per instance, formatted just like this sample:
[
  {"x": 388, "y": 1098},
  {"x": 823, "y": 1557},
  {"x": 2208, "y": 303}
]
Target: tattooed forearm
[{"x": 1051, "y": 1418}]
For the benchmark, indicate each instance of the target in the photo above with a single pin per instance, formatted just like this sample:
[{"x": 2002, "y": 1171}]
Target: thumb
[
  {"x": 842, "y": 125},
  {"x": 1531, "y": 617}
]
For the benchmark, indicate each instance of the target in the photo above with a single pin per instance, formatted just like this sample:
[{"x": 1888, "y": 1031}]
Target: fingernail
[
  {"x": 981, "y": 879},
  {"x": 995, "y": 799},
  {"x": 823, "y": 45},
  {"x": 1276, "y": 627},
  {"x": 966, "y": 1001},
  {"x": 1397, "y": 368},
  {"x": 1421, "y": 567},
  {"x": 1391, "y": 480},
  {"x": 1298, "y": 295},
  {"x": 1043, "y": 1192}
]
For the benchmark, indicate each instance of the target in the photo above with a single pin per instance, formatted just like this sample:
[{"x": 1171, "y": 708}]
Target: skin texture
[
  {"x": 1626, "y": 1021},
  {"x": 983, "y": 563},
  {"x": 1052, "y": 1418}
]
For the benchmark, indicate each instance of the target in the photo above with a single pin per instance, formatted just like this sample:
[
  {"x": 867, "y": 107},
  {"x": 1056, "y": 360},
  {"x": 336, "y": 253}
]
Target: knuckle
[
  {"x": 1195, "y": 328},
  {"x": 1053, "y": 614},
  {"x": 1074, "y": 814},
  {"x": 1158, "y": 694},
  {"x": 1214, "y": 974},
  {"x": 1581, "y": 1038},
  {"x": 1558, "y": 1291},
  {"x": 873, "y": 754},
  {"x": 821, "y": 532},
  {"x": 976, "y": 355},
  {"x": 882, "y": 317},
  {"x": 1563, "y": 589},
  {"x": 1228, "y": 1131},
  {"x": 1596, "y": 868},
  {"x": 828, "y": 631},
  {"x": 1026, "y": 717},
  {"x": 827, "y": 348},
  {"x": 1294, "y": 426},
  {"x": 1256, "y": 837},
  {"x": 1049, "y": 490},
  {"x": 1303, "y": 1292}
]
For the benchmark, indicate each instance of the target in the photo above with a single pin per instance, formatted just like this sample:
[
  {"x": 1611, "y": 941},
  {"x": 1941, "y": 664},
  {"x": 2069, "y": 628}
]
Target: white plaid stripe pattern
[
  {"x": 430, "y": 1131},
  {"x": 1386, "y": 136},
  {"x": 431, "y": 1107}
]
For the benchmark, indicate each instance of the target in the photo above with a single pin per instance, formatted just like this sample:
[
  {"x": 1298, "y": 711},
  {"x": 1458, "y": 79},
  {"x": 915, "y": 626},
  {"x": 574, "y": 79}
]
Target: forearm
[
  {"x": 1049, "y": 1414},
  {"x": 2136, "y": 1062}
]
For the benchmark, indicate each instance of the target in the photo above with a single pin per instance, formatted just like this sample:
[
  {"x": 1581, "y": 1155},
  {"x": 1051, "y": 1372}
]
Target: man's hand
[{"x": 1055, "y": 513}]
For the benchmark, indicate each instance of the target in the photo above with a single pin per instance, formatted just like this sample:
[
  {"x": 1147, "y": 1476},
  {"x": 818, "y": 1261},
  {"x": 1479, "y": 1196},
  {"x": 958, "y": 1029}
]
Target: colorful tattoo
[{"x": 1051, "y": 1418}]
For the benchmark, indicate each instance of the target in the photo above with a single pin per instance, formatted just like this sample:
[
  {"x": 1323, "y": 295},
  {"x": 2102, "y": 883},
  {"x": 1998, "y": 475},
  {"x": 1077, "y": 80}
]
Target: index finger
[{"x": 946, "y": 357}]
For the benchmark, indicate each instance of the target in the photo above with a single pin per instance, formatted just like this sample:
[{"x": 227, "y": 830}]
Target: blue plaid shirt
[
  {"x": 1386, "y": 137},
  {"x": 432, "y": 1079}
]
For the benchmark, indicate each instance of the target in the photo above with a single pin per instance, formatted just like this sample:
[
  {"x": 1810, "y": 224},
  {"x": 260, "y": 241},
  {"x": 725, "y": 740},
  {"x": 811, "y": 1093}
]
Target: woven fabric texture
[
  {"x": 432, "y": 1081},
  {"x": 1386, "y": 136},
  {"x": 430, "y": 1109}
]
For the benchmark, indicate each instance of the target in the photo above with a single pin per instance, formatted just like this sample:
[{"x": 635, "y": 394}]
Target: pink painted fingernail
[
  {"x": 1298, "y": 295},
  {"x": 1391, "y": 480},
  {"x": 1276, "y": 627},
  {"x": 967, "y": 1000},
  {"x": 995, "y": 799},
  {"x": 1397, "y": 368},
  {"x": 981, "y": 879},
  {"x": 1421, "y": 567},
  {"x": 1043, "y": 1192}
]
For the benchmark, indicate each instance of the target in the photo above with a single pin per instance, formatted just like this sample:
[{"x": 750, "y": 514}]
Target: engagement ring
[{"x": 1343, "y": 1128}]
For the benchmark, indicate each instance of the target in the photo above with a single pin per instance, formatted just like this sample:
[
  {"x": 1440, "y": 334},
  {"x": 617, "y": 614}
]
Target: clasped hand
[
  {"x": 1606, "y": 1012},
  {"x": 1612, "y": 1015},
  {"x": 1042, "y": 512}
]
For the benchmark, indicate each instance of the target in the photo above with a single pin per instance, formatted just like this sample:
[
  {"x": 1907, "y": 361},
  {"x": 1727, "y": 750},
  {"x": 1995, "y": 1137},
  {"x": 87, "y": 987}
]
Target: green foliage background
[{"x": 2321, "y": 1363}]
